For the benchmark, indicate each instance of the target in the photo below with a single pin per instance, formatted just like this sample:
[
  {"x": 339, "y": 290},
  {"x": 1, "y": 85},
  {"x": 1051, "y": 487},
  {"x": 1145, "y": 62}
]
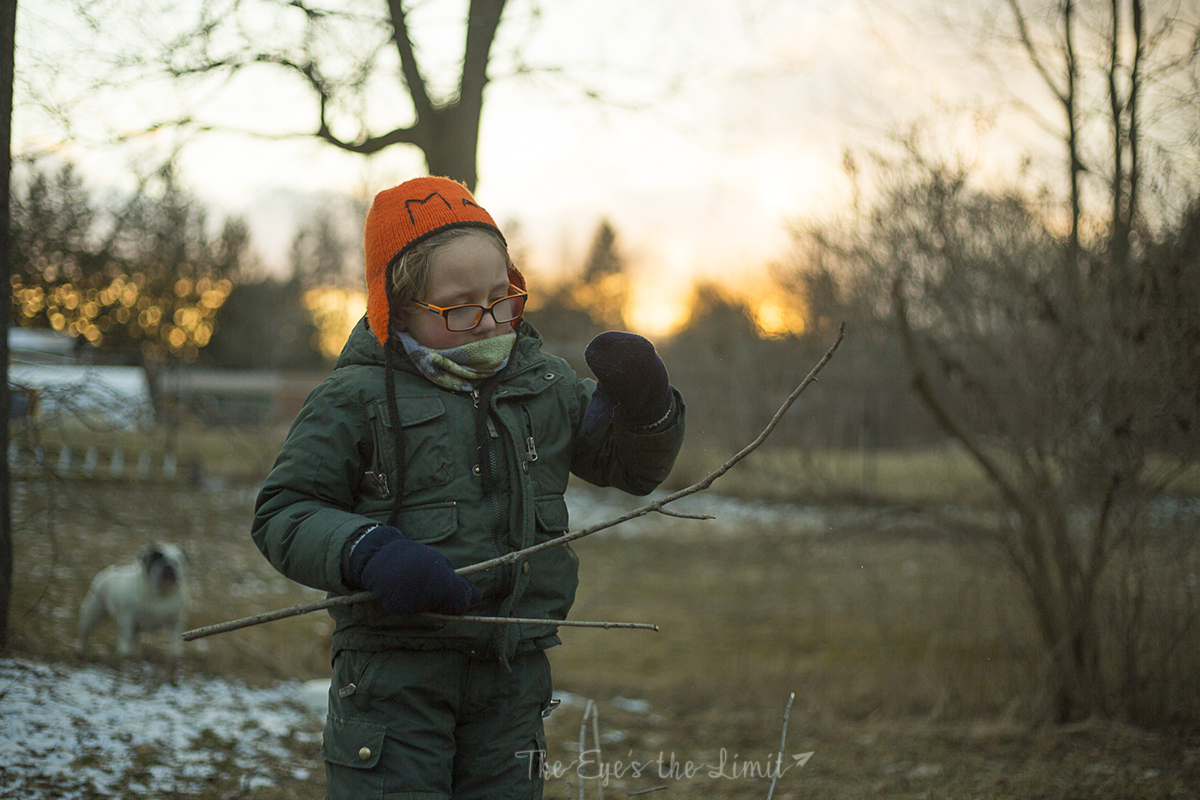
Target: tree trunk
[
  {"x": 448, "y": 134},
  {"x": 1074, "y": 670},
  {"x": 8, "y": 26},
  {"x": 450, "y": 145},
  {"x": 1063, "y": 598}
]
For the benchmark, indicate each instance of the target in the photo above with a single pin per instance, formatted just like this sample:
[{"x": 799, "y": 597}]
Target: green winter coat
[{"x": 335, "y": 475}]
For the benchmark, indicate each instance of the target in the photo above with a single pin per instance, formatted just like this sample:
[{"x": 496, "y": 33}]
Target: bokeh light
[
  {"x": 179, "y": 322},
  {"x": 334, "y": 311}
]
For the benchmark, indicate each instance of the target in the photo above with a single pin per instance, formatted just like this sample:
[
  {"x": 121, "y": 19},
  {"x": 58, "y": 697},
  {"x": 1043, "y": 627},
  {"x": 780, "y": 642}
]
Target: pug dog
[{"x": 143, "y": 596}]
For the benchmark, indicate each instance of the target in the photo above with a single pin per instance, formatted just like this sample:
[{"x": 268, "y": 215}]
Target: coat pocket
[
  {"x": 352, "y": 743},
  {"x": 428, "y": 457},
  {"x": 554, "y": 572},
  {"x": 552, "y": 516},
  {"x": 438, "y": 525},
  {"x": 429, "y": 524}
]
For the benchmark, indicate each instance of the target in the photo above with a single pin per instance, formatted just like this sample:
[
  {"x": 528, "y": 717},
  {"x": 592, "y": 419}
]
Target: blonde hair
[{"x": 410, "y": 272}]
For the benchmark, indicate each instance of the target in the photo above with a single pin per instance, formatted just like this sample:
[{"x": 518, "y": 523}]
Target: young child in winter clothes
[{"x": 443, "y": 438}]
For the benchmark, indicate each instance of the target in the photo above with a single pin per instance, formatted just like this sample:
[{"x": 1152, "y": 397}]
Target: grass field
[
  {"x": 906, "y": 644},
  {"x": 926, "y": 478}
]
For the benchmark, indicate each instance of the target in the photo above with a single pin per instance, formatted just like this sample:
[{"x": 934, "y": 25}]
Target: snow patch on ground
[
  {"x": 94, "y": 731},
  {"x": 736, "y": 517}
]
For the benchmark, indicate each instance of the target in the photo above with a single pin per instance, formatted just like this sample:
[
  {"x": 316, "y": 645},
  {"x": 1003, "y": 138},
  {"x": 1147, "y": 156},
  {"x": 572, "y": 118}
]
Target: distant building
[
  {"x": 48, "y": 382},
  {"x": 42, "y": 346}
]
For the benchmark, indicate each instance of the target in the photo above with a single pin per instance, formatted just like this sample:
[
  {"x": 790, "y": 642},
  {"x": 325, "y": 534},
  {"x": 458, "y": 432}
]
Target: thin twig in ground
[
  {"x": 593, "y": 712},
  {"x": 782, "y": 739},
  {"x": 649, "y": 508}
]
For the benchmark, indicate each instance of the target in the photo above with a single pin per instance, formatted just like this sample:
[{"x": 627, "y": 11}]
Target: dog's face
[{"x": 163, "y": 566}]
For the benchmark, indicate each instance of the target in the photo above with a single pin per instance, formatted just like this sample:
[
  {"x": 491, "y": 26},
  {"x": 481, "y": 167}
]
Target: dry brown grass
[
  {"x": 924, "y": 478},
  {"x": 863, "y": 624},
  {"x": 932, "y": 477},
  {"x": 906, "y": 644}
]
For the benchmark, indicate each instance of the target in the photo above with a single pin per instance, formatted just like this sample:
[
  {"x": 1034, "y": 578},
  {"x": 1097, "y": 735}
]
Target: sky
[{"x": 722, "y": 123}]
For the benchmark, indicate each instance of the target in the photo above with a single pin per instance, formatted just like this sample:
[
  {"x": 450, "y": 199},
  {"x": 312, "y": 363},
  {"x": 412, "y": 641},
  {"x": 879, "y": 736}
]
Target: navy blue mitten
[
  {"x": 408, "y": 577},
  {"x": 631, "y": 380}
]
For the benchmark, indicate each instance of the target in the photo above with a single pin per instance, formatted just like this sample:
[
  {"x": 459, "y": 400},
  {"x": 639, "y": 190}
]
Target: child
[{"x": 443, "y": 438}]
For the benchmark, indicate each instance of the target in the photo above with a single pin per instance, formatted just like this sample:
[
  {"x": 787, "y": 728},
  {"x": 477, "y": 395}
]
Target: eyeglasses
[{"x": 467, "y": 317}]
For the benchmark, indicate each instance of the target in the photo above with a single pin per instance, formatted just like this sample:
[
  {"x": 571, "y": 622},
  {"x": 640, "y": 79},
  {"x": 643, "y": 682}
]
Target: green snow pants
[{"x": 433, "y": 724}]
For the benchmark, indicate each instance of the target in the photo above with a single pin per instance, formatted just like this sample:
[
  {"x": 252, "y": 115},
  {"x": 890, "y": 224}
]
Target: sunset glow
[
  {"x": 657, "y": 317},
  {"x": 658, "y": 313},
  {"x": 775, "y": 316},
  {"x": 752, "y": 135},
  {"x": 335, "y": 311},
  {"x": 654, "y": 307}
]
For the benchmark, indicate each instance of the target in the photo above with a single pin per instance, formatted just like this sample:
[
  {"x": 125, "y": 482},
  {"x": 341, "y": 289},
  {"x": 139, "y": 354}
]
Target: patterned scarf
[{"x": 460, "y": 368}]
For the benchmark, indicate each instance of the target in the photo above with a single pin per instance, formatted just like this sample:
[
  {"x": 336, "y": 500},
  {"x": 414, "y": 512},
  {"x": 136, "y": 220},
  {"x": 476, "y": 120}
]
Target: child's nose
[{"x": 487, "y": 323}]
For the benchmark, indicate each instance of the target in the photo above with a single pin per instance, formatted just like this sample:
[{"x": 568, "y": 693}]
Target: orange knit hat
[{"x": 404, "y": 215}]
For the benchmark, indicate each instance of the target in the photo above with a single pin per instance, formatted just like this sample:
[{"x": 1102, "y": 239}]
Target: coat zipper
[
  {"x": 490, "y": 455},
  {"x": 531, "y": 454}
]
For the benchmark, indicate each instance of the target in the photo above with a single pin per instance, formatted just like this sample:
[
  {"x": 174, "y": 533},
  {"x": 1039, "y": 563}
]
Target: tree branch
[
  {"x": 1135, "y": 91},
  {"x": 923, "y": 386},
  {"x": 1116, "y": 108},
  {"x": 649, "y": 508},
  {"x": 408, "y": 61},
  {"x": 1075, "y": 164},
  {"x": 373, "y": 144},
  {"x": 681, "y": 515},
  {"x": 482, "y": 21},
  {"x": 295, "y": 611},
  {"x": 1031, "y": 50}
]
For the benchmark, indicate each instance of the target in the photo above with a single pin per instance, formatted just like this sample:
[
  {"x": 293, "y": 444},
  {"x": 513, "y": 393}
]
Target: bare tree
[
  {"x": 362, "y": 77},
  {"x": 342, "y": 53},
  {"x": 1063, "y": 357}
]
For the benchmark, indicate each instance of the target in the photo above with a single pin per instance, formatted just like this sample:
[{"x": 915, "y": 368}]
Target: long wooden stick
[
  {"x": 649, "y": 508},
  {"x": 226, "y": 627},
  {"x": 577, "y": 623}
]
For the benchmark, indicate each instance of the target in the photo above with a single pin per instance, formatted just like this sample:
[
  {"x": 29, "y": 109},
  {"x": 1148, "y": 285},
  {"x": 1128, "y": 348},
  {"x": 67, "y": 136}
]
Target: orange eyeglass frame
[{"x": 444, "y": 311}]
